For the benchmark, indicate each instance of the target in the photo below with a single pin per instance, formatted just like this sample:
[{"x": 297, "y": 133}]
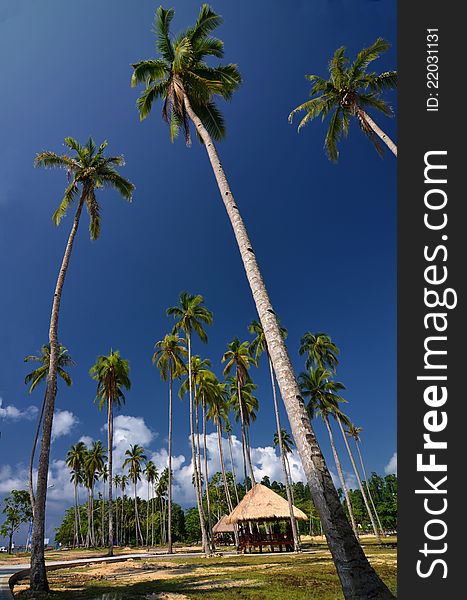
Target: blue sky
[{"x": 325, "y": 234}]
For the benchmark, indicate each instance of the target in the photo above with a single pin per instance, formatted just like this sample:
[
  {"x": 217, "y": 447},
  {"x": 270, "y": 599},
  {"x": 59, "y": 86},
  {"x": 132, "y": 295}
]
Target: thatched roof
[
  {"x": 222, "y": 526},
  {"x": 262, "y": 504}
]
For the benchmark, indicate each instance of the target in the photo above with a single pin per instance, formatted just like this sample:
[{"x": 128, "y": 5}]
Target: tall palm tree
[
  {"x": 150, "y": 473},
  {"x": 350, "y": 92},
  {"x": 35, "y": 377},
  {"x": 87, "y": 170},
  {"x": 192, "y": 316},
  {"x": 322, "y": 352},
  {"x": 238, "y": 356},
  {"x": 134, "y": 461},
  {"x": 287, "y": 445},
  {"x": 218, "y": 411},
  {"x": 188, "y": 87},
  {"x": 228, "y": 430},
  {"x": 168, "y": 358},
  {"x": 257, "y": 347},
  {"x": 123, "y": 486},
  {"x": 75, "y": 462},
  {"x": 93, "y": 465},
  {"x": 340, "y": 418},
  {"x": 112, "y": 375},
  {"x": 317, "y": 385},
  {"x": 104, "y": 476},
  {"x": 116, "y": 482},
  {"x": 355, "y": 432}
]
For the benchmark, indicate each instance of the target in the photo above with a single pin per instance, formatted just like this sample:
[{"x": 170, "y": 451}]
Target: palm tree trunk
[
  {"x": 152, "y": 518},
  {"x": 31, "y": 460},
  {"x": 199, "y": 499},
  {"x": 357, "y": 475},
  {"x": 224, "y": 477},
  {"x": 80, "y": 535},
  {"x": 137, "y": 523},
  {"x": 110, "y": 437},
  {"x": 206, "y": 474},
  {"x": 341, "y": 475},
  {"x": 368, "y": 487},
  {"x": 248, "y": 453},
  {"x": 296, "y": 539},
  {"x": 358, "y": 579},
  {"x": 169, "y": 481},
  {"x": 246, "y": 456},
  {"x": 364, "y": 116},
  {"x": 38, "y": 576},
  {"x": 232, "y": 466},
  {"x": 147, "y": 518}
]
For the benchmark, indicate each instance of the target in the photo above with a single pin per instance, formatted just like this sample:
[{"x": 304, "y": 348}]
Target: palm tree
[
  {"x": 354, "y": 432},
  {"x": 317, "y": 385},
  {"x": 238, "y": 356},
  {"x": 116, "y": 482},
  {"x": 257, "y": 347},
  {"x": 93, "y": 465},
  {"x": 150, "y": 472},
  {"x": 187, "y": 86},
  {"x": 75, "y": 462},
  {"x": 112, "y": 374},
  {"x": 287, "y": 446},
  {"x": 228, "y": 430},
  {"x": 343, "y": 418},
  {"x": 35, "y": 377},
  {"x": 191, "y": 315},
  {"x": 135, "y": 458},
  {"x": 168, "y": 358},
  {"x": 123, "y": 486},
  {"x": 350, "y": 92},
  {"x": 218, "y": 412},
  {"x": 320, "y": 350},
  {"x": 87, "y": 170},
  {"x": 104, "y": 476}
]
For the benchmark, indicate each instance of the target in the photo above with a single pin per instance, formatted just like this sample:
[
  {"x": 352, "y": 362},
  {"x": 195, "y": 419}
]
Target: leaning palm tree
[
  {"x": 350, "y": 92},
  {"x": 191, "y": 316},
  {"x": 257, "y": 347},
  {"x": 112, "y": 375},
  {"x": 355, "y": 432},
  {"x": 35, "y": 377},
  {"x": 317, "y": 385},
  {"x": 238, "y": 356},
  {"x": 188, "y": 87},
  {"x": 168, "y": 358},
  {"x": 88, "y": 169},
  {"x": 134, "y": 461},
  {"x": 75, "y": 462}
]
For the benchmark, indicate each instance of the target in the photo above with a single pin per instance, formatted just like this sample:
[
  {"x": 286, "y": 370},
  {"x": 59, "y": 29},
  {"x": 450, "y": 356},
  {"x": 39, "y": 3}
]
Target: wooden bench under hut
[
  {"x": 263, "y": 520},
  {"x": 223, "y": 532}
]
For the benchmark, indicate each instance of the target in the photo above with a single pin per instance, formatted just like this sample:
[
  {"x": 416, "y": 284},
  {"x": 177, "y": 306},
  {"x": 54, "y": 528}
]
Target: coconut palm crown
[
  {"x": 89, "y": 169},
  {"x": 181, "y": 68},
  {"x": 349, "y": 92}
]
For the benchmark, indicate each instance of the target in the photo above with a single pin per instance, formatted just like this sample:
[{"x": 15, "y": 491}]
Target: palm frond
[
  {"x": 372, "y": 101},
  {"x": 93, "y": 209},
  {"x": 111, "y": 178},
  {"x": 207, "y": 46},
  {"x": 333, "y": 134},
  {"x": 368, "y": 55},
  {"x": 70, "y": 193},
  {"x": 149, "y": 95},
  {"x": 51, "y": 160},
  {"x": 212, "y": 119},
  {"x": 207, "y": 21},
  {"x": 161, "y": 28},
  {"x": 147, "y": 71},
  {"x": 380, "y": 83}
]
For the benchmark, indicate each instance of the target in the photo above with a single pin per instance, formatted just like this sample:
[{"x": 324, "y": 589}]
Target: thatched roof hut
[
  {"x": 222, "y": 526},
  {"x": 262, "y": 504}
]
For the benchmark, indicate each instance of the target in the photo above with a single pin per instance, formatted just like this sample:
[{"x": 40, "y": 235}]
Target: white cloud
[
  {"x": 391, "y": 467},
  {"x": 63, "y": 423},
  {"x": 87, "y": 440},
  {"x": 11, "y": 413}
]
